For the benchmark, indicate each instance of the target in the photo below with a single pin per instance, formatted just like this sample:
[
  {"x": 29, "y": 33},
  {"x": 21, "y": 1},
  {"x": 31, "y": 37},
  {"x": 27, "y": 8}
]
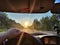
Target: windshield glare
[{"x": 28, "y": 22}]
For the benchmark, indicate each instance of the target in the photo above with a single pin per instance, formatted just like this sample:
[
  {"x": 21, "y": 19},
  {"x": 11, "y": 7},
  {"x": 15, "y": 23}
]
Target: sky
[
  {"x": 23, "y": 17},
  {"x": 57, "y": 1}
]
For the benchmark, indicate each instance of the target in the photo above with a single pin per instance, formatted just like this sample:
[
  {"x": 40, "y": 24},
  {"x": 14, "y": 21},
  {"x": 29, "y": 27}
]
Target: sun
[{"x": 26, "y": 24}]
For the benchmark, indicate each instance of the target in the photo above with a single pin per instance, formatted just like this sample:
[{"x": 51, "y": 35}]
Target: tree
[
  {"x": 54, "y": 20},
  {"x": 36, "y": 24},
  {"x": 3, "y": 20},
  {"x": 57, "y": 15},
  {"x": 45, "y": 23}
]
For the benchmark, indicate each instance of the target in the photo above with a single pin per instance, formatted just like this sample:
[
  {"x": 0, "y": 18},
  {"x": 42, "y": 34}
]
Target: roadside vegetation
[
  {"x": 6, "y": 23},
  {"x": 46, "y": 23},
  {"x": 3, "y": 30}
]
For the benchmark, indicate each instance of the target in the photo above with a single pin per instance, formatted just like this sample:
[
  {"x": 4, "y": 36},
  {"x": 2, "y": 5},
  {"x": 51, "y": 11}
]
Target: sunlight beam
[{"x": 26, "y": 24}]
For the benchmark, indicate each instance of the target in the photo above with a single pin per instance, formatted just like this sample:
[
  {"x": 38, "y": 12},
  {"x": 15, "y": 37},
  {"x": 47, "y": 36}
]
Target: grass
[{"x": 3, "y": 30}]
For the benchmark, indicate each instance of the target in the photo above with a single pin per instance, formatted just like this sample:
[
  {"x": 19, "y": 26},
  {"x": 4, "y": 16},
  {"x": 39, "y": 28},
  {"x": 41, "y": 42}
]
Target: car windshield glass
[{"x": 28, "y": 22}]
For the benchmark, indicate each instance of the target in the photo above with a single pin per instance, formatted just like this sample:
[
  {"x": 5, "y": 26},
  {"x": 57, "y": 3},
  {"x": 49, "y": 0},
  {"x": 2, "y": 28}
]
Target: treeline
[
  {"x": 5, "y": 22},
  {"x": 46, "y": 23}
]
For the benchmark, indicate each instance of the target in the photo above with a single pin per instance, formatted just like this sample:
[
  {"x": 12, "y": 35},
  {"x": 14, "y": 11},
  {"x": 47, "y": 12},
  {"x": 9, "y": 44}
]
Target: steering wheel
[{"x": 26, "y": 39}]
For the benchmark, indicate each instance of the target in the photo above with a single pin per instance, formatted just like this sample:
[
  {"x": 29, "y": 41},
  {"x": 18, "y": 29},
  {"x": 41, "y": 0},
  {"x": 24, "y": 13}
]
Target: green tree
[
  {"x": 12, "y": 23},
  {"x": 45, "y": 23},
  {"x": 54, "y": 20},
  {"x": 36, "y": 24},
  {"x": 3, "y": 20}
]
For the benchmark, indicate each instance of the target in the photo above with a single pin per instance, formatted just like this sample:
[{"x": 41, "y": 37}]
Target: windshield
[{"x": 28, "y": 22}]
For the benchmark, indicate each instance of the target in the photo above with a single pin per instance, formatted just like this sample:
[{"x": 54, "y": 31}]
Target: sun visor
[
  {"x": 43, "y": 6},
  {"x": 26, "y": 6},
  {"x": 56, "y": 8},
  {"x": 13, "y": 5}
]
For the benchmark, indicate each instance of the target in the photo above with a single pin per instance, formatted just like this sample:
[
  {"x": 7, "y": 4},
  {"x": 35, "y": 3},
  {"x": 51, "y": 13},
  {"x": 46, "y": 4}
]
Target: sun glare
[{"x": 26, "y": 24}]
